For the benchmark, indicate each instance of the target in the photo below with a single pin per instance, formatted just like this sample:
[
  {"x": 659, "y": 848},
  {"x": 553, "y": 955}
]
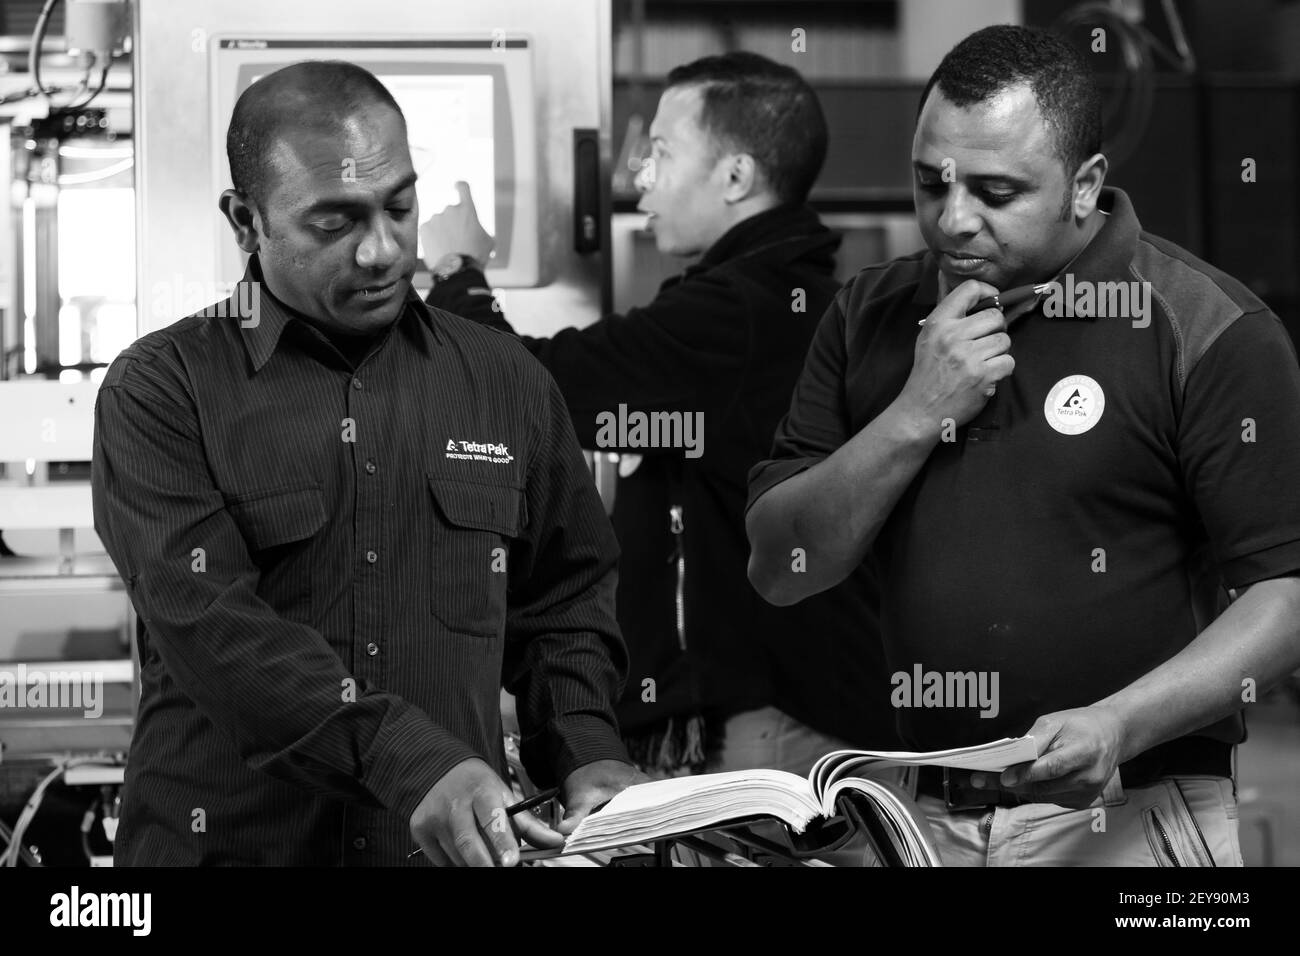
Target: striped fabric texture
[{"x": 335, "y": 571}]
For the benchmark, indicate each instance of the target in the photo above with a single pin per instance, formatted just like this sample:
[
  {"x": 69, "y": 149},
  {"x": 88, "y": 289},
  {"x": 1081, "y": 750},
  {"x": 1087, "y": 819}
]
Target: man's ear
[
  {"x": 743, "y": 178},
  {"x": 244, "y": 218},
  {"x": 1086, "y": 186}
]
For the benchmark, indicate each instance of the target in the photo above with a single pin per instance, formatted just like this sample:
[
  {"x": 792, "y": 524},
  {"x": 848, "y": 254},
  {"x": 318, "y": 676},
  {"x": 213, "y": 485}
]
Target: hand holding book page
[{"x": 679, "y": 805}]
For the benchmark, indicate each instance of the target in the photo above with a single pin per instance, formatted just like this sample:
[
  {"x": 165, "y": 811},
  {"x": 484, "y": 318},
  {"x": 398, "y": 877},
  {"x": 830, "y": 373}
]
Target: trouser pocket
[{"x": 1176, "y": 825}]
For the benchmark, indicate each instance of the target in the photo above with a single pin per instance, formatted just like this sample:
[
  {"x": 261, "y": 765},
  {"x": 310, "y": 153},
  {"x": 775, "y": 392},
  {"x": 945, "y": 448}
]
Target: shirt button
[
  {"x": 356, "y": 383},
  {"x": 372, "y": 648},
  {"x": 359, "y": 843},
  {"x": 372, "y": 557},
  {"x": 370, "y": 468}
]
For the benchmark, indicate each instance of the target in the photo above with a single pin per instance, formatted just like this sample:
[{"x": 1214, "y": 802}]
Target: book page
[
  {"x": 994, "y": 756},
  {"x": 904, "y": 824},
  {"x": 660, "y": 808}
]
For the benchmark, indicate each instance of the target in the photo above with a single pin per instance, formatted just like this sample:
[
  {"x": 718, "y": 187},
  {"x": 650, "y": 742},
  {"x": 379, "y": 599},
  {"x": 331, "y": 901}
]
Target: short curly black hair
[
  {"x": 996, "y": 58},
  {"x": 760, "y": 107},
  {"x": 313, "y": 93}
]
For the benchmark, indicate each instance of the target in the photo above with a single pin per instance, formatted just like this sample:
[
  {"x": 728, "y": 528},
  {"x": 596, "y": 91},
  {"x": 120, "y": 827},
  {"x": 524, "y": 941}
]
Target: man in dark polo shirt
[
  {"x": 342, "y": 517},
  {"x": 737, "y": 142},
  {"x": 1056, "y": 494}
]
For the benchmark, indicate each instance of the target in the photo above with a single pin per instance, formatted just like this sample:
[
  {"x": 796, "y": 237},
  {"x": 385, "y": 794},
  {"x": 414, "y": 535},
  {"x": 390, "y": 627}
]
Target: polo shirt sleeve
[
  {"x": 818, "y": 421},
  {"x": 1239, "y": 449}
]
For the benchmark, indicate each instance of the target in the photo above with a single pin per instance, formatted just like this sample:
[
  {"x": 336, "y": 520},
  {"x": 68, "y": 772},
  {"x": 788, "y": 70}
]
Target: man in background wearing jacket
[{"x": 736, "y": 145}]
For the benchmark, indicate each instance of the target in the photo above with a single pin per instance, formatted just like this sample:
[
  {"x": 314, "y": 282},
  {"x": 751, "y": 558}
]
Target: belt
[{"x": 1186, "y": 756}]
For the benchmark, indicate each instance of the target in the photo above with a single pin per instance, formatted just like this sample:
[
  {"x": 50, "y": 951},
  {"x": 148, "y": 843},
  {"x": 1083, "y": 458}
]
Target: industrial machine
[{"x": 68, "y": 685}]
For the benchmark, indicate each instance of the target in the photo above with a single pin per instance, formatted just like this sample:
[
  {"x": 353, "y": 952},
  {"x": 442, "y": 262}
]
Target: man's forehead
[
  {"x": 678, "y": 104},
  {"x": 1006, "y": 127},
  {"x": 348, "y": 159}
]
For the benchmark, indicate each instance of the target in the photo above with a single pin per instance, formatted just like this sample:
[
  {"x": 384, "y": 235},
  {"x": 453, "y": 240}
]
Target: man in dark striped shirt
[{"x": 344, "y": 519}]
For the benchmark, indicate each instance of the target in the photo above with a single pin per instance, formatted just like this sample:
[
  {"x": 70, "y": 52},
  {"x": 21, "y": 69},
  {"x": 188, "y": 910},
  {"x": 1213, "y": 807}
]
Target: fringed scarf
[{"x": 672, "y": 749}]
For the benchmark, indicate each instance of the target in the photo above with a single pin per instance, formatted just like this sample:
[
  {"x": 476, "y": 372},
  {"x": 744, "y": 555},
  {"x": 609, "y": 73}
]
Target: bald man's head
[
  {"x": 320, "y": 149},
  {"x": 319, "y": 95}
]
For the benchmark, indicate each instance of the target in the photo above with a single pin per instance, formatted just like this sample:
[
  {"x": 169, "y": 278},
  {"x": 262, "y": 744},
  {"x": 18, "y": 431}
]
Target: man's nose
[
  {"x": 959, "y": 216},
  {"x": 645, "y": 176},
  {"x": 379, "y": 248}
]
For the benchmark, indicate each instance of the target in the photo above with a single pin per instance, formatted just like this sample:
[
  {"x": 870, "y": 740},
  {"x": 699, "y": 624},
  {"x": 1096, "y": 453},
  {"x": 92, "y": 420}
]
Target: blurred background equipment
[
  {"x": 67, "y": 307},
  {"x": 1123, "y": 23}
]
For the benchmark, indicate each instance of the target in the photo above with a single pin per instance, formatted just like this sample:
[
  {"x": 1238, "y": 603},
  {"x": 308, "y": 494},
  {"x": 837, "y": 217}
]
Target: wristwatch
[{"x": 452, "y": 263}]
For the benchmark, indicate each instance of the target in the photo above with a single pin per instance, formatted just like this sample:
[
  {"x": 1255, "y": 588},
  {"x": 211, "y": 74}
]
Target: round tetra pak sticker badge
[{"x": 1074, "y": 404}]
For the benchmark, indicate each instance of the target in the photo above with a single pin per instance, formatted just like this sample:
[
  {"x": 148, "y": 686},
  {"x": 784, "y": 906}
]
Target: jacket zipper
[{"x": 679, "y": 556}]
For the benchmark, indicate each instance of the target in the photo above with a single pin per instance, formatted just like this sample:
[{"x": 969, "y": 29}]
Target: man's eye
[
  {"x": 331, "y": 227},
  {"x": 931, "y": 185},
  {"x": 401, "y": 211},
  {"x": 995, "y": 198}
]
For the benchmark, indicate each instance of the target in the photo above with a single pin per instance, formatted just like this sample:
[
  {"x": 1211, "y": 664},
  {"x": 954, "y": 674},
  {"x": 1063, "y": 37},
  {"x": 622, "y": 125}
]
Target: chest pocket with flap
[
  {"x": 473, "y": 526},
  {"x": 277, "y": 527}
]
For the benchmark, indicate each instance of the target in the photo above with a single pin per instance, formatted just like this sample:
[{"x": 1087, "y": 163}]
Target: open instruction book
[{"x": 663, "y": 808}]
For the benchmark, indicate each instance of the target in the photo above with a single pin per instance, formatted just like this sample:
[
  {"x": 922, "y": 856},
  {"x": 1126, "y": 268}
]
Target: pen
[
  {"x": 532, "y": 803},
  {"x": 1006, "y": 300}
]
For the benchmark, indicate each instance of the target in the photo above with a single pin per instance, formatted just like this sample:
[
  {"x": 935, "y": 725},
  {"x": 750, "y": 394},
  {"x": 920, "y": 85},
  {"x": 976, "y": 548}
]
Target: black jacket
[{"x": 726, "y": 338}]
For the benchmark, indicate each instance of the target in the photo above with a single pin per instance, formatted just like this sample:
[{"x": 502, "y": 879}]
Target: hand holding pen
[
  {"x": 538, "y": 799},
  {"x": 464, "y": 819},
  {"x": 959, "y": 357},
  {"x": 1007, "y": 301}
]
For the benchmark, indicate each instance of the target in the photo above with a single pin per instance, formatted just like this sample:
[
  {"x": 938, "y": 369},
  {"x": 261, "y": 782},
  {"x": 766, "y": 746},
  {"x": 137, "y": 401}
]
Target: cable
[
  {"x": 27, "y": 856},
  {"x": 106, "y": 172},
  {"x": 103, "y": 81},
  {"x": 34, "y": 69},
  {"x": 15, "y": 97},
  {"x": 87, "y": 822},
  {"x": 10, "y": 856},
  {"x": 38, "y": 40}
]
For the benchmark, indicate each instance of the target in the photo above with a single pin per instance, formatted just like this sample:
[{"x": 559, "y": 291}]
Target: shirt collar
[
  {"x": 272, "y": 316},
  {"x": 1106, "y": 257}
]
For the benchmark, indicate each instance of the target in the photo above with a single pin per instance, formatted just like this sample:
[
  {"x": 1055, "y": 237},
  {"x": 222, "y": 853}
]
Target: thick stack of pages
[{"x": 664, "y": 808}]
